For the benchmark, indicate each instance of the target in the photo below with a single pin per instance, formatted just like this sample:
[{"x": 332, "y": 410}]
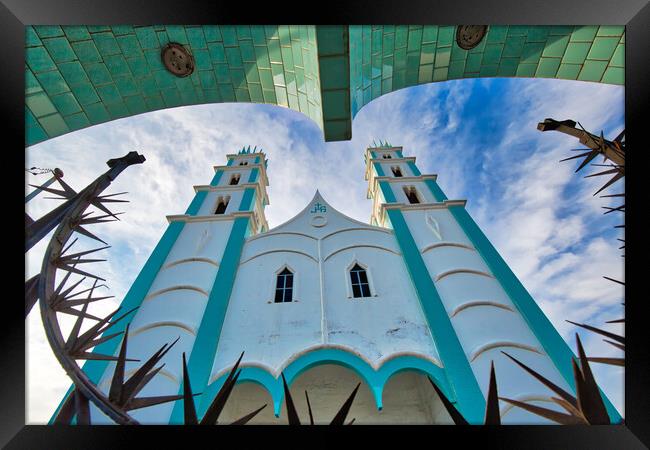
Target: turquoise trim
[
  {"x": 94, "y": 369},
  {"x": 217, "y": 177},
  {"x": 207, "y": 337},
  {"x": 435, "y": 190},
  {"x": 253, "y": 176},
  {"x": 374, "y": 379},
  {"x": 247, "y": 199},
  {"x": 414, "y": 169},
  {"x": 556, "y": 348},
  {"x": 399, "y": 153},
  {"x": 463, "y": 383},
  {"x": 230, "y": 161},
  {"x": 378, "y": 169},
  {"x": 387, "y": 192}
]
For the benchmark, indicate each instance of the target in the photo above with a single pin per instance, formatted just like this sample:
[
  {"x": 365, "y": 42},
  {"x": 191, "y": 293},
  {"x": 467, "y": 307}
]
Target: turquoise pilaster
[
  {"x": 556, "y": 348},
  {"x": 463, "y": 384}
]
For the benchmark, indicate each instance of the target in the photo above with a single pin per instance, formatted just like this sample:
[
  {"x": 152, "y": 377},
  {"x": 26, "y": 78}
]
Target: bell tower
[{"x": 473, "y": 303}]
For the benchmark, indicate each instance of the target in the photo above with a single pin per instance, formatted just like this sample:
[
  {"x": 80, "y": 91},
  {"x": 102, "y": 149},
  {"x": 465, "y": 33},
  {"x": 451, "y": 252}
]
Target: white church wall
[
  {"x": 243, "y": 171},
  {"x": 187, "y": 272},
  {"x": 270, "y": 332},
  {"x": 209, "y": 205},
  {"x": 269, "y": 242},
  {"x": 433, "y": 226},
  {"x": 201, "y": 240},
  {"x": 388, "y": 322},
  {"x": 423, "y": 192},
  {"x": 337, "y": 240}
]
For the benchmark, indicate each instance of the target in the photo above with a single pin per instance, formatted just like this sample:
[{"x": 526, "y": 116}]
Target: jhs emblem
[{"x": 318, "y": 208}]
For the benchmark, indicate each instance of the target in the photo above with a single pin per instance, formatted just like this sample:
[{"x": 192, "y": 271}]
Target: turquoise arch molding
[
  {"x": 374, "y": 379},
  {"x": 79, "y": 76}
]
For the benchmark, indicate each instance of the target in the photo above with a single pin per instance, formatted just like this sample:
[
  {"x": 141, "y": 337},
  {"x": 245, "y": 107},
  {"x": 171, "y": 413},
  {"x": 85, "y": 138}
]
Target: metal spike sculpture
[
  {"x": 492, "y": 414},
  {"x": 610, "y": 150},
  {"x": 587, "y": 408},
  {"x": 339, "y": 418},
  {"x": 211, "y": 415}
]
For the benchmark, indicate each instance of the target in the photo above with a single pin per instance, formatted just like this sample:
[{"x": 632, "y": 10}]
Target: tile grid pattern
[
  {"x": 77, "y": 76},
  {"x": 386, "y": 58}
]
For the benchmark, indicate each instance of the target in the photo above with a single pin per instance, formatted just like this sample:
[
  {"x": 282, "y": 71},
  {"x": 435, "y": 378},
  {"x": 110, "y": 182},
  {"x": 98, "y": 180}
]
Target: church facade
[{"x": 329, "y": 301}]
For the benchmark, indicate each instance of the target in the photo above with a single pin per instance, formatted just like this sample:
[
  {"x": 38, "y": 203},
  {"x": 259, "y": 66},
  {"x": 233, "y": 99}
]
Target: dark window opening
[
  {"x": 234, "y": 179},
  {"x": 284, "y": 286},
  {"x": 360, "y": 285},
  {"x": 221, "y": 206},
  {"x": 243, "y": 163},
  {"x": 386, "y": 156},
  {"x": 396, "y": 171},
  {"x": 412, "y": 195}
]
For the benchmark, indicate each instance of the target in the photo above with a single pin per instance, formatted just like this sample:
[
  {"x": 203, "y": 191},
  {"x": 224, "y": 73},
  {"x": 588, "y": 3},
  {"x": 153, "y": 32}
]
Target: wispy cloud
[{"x": 479, "y": 136}]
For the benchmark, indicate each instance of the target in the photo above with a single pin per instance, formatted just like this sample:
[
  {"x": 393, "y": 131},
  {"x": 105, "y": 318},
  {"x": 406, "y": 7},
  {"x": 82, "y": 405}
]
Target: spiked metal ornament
[
  {"x": 339, "y": 418},
  {"x": 587, "y": 408}
]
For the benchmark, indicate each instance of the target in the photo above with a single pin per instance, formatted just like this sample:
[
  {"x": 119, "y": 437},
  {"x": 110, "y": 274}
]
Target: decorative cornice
[{"x": 209, "y": 218}]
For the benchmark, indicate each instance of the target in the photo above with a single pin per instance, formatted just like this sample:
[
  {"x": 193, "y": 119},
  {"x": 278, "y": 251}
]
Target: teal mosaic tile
[
  {"x": 226, "y": 92},
  {"x": 130, "y": 45},
  {"x": 40, "y": 104},
  {"x": 98, "y": 28},
  {"x": 77, "y": 121},
  {"x": 212, "y": 33},
  {"x": 135, "y": 104},
  {"x": 446, "y": 35},
  {"x": 202, "y": 60},
  {"x": 526, "y": 70},
  {"x": 427, "y": 54},
  {"x": 592, "y": 70},
  {"x": 569, "y": 71},
  {"x": 176, "y": 33},
  {"x": 153, "y": 60},
  {"x": 117, "y": 110},
  {"x": 555, "y": 47},
  {"x": 106, "y": 44},
  {"x": 109, "y": 94},
  {"x": 76, "y": 33},
  {"x": 584, "y": 34},
  {"x": 603, "y": 48},
  {"x": 222, "y": 72},
  {"x": 547, "y": 67},
  {"x": 531, "y": 52},
  {"x": 32, "y": 85},
  {"x": 53, "y": 124},
  {"x": 611, "y": 30},
  {"x": 537, "y": 34},
  {"x": 618, "y": 59},
  {"x": 489, "y": 70},
  {"x": 47, "y": 31},
  {"x": 456, "y": 69},
  {"x": 440, "y": 74},
  {"x": 196, "y": 37},
  {"x": 119, "y": 30},
  {"x": 98, "y": 73},
  {"x": 31, "y": 38},
  {"x": 287, "y": 58},
  {"x": 217, "y": 52},
  {"x": 66, "y": 103},
  {"x": 126, "y": 86},
  {"x": 84, "y": 93},
  {"x": 496, "y": 34},
  {"x": 171, "y": 98},
  {"x": 59, "y": 49},
  {"x": 492, "y": 54},
  {"x": 508, "y": 67},
  {"x": 614, "y": 75},
  {"x": 86, "y": 51},
  {"x": 513, "y": 47},
  {"x": 248, "y": 52},
  {"x": 154, "y": 102},
  {"x": 164, "y": 79},
  {"x": 442, "y": 57},
  {"x": 148, "y": 86},
  {"x": 39, "y": 59},
  {"x": 414, "y": 40},
  {"x": 576, "y": 52},
  {"x": 52, "y": 82},
  {"x": 208, "y": 81},
  {"x": 429, "y": 33},
  {"x": 138, "y": 66},
  {"x": 147, "y": 38}
]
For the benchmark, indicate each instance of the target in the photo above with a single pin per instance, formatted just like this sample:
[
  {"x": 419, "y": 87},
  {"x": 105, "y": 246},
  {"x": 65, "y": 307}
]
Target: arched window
[
  {"x": 411, "y": 194},
  {"x": 359, "y": 278},
  {"x": 222, "y": 205},
  {"x": 243, "y": 163},
  {"x": 284, "y": 286},
  {"x": 396, "y": 171},
  {"x": 234, "y": 179},
  {"x": 386, "y": 156}
]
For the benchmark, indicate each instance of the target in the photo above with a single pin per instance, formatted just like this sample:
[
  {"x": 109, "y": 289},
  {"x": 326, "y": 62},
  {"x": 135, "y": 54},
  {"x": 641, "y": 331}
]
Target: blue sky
[{"x": 478, "y": 135}]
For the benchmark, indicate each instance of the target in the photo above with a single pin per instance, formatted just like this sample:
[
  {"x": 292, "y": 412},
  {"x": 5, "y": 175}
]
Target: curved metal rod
[{"x": 46, "y": 288}]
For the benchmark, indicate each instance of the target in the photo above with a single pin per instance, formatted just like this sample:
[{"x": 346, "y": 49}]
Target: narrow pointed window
[
  {"x": 360, "y": 285},
  {"x": 411, "y": 194},
  {"x": 396, "y": 171},
  {"x": 234, "y": 179},
  {"x": 222, "y": 205},
  {"x": 243, "y": 163},
  {"x": 386, "y": 156},
  {"x": 284, "y": 286}
]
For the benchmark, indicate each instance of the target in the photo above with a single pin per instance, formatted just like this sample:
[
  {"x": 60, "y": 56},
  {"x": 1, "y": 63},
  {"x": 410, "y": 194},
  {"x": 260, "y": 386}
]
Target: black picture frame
[{"x": 634, "y": 14}]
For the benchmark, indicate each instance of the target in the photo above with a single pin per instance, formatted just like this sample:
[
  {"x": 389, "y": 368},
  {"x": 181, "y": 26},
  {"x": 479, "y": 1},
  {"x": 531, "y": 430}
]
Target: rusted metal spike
[
  {"x": 146, "y": 380},
  {"x": 69, "y": 246},
  {"x": 98, "y": 328},
  {"x": 188, "y": 402},
  {"x": 99, "y": 205},
  {"x": 292, "y": 414},
  {"x": 244, "y": 420},
  {"x": 604, "y": 172},
  {"x": 616, "y": 321},
  {"x": 82, "y": 230},
  {"x": 567, "y": 406},
  {"x": 100, "y": 357},
  {"x": 117, "y": 382},
  {"x": 561, "y": 418},
  {"x": 145, "y": 402},
  {"x": 75, "y": 312},
  {"x": 340, "y": 416},
  {"x": 618, "y": 208},
  {"x": 74, "y": 302},
  {"x": 62, "y": 194},
  {"x": 67, "y": 258},
  {"x": 613, "y": 195},
  {"x": 112, "y": 195},
  {"x": 589, "y": 399},
  {"x": 69, "y": 268},
  {"x": 613, "y": 180},
  {"x": 214, "y": 410},
  {"x": 60, "y": 296},
  {"x": 456, "y": 416},
  {"x": 592, "y": 154},
  {"x": 31, "y": 293},
  {"x": 352, "y": 421},
  {"x": 616, "y": 337},
  {"x": 99, "y": 219},
  {"x": 96, "y": 342},
  {"x": 492, "y": 415},
  {"x": 549, "y": 384},
  {"x": 82, "y": 408},
  {"x": 73, "y": 337},
  {"x": 311, "y": 417},
  {"x": 609, "y": 361},
  {"x": 65, "y": 186},
  {"x": 135, "y": 382},
  {"x": 576, "y": 156},
  {"x": 67, "y": 410}
]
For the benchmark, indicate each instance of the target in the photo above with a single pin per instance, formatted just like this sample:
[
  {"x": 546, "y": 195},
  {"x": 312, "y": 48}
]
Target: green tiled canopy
[{"x": 78, "y": 76}]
